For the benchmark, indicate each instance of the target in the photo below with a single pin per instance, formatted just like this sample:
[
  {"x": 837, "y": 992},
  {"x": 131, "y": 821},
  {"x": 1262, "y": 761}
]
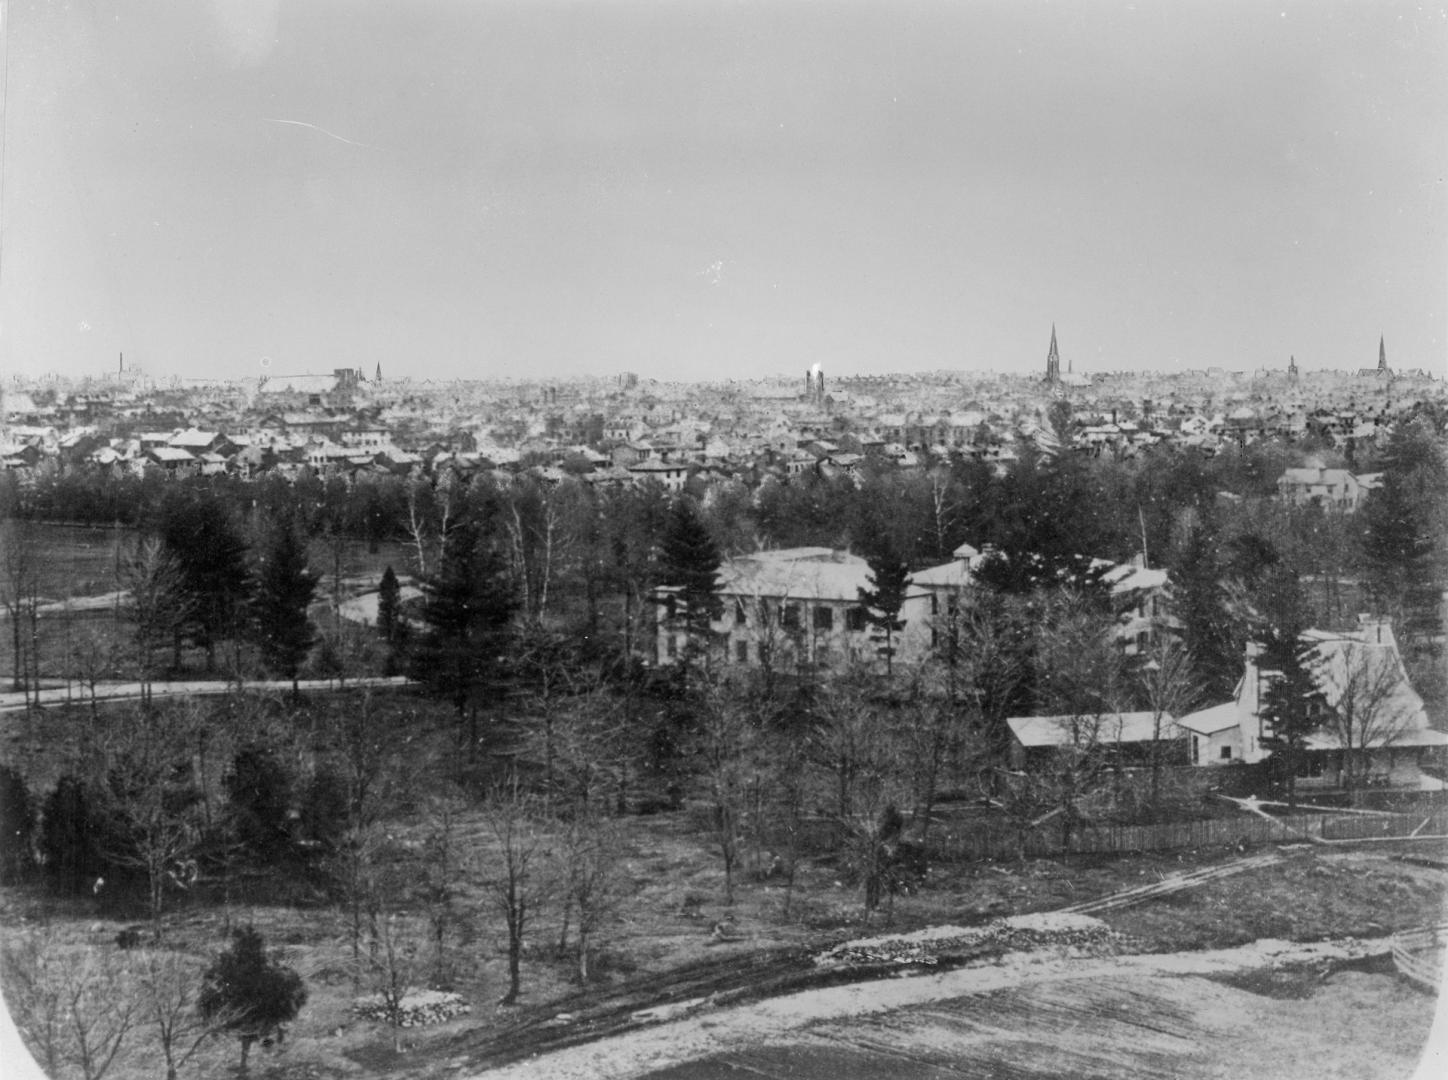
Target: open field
[
  {"x": 661, "y": 950},
  {"x": 92, "y": 640}
]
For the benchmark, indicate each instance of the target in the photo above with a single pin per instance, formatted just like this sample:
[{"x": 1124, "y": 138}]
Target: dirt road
[{"x": 1045, "y": 1015}]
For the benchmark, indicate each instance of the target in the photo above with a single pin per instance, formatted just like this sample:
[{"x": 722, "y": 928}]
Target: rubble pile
[
  {"x": 1080, "y": 934},
  {"x": 417, "y": 1008}
]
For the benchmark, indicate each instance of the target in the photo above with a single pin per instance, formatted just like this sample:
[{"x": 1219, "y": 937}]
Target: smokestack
[{"x": 122, "y": 369}]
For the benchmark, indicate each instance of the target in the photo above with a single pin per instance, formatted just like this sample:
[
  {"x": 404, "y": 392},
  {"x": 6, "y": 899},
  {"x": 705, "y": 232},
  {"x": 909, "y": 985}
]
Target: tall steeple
[
  {"x": 379, "y": 372},
  {"x": 1382, "y": 357},
  {"x": 1053, "y": 360}
]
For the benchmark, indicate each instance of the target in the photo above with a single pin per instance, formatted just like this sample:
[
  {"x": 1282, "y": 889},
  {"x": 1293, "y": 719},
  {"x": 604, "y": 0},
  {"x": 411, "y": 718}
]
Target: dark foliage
[
  {"x": 889, "y": 579},
  {"x": 248, "y": 994},
  {"x": 1290, "y": 694},
  {"x": 17, "y": 828},
  {"x": 388, "y": 605},
  {"x": 467, "y": 607},
  {"x": 260, "y": 791},
  {"x": 73, "y": 839},
  {"x": 1406, "y": 530},
  {"x": 198, "y": 530},
  {"x": 283, "y": 590}
]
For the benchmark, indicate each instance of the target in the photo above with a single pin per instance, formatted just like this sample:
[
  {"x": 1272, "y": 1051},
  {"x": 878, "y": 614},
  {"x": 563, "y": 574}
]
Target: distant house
[
  {"x": 1335, "y": 489},
  {"x": 672, "y": 475},
  {"x": 797, "y": 606},
  {"x": 171, "y": 459},
  {"x": 1366, "y": 705}
]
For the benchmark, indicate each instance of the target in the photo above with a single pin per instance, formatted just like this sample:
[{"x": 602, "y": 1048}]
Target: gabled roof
[{"x": 1210, "y": 721}]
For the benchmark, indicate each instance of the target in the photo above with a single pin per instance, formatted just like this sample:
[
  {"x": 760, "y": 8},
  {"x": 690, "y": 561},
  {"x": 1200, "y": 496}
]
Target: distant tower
[
  {"x": 1382, "y": 358},
  {"x": 1053, "y": 360},
  {"x": 378, "y": 376},
  {"x": 1292, "y": 369}
]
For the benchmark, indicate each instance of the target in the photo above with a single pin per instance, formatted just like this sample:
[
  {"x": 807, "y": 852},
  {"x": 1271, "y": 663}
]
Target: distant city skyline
[{"x": 704, "y": 191}]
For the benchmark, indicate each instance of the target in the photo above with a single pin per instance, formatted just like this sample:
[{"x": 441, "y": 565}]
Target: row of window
[{"x": 791, "y": 616}]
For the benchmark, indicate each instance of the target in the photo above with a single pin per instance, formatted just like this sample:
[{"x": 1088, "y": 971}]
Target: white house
[
  {"x": 798, "y": 606},
  {"x": 1369, "y": 712}
]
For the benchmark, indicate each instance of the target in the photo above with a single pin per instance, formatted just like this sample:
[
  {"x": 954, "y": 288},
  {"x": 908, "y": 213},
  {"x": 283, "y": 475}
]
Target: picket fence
[{"x": 997, "y": 841}]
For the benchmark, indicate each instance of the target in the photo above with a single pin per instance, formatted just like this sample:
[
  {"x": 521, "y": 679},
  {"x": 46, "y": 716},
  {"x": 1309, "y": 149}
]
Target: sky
[{"x": 710, "y": 190}]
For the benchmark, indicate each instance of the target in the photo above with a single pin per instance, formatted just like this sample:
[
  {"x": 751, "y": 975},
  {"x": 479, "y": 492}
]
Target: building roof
[
  {"x": 1114, "y": 727},
  {"x": 805, "y": 573},
  {"x": 1210, "y": 721}
]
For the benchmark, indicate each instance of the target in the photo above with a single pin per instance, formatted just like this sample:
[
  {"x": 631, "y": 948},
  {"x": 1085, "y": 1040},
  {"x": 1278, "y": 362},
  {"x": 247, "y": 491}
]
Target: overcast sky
[{"x": 710, "y": 190}]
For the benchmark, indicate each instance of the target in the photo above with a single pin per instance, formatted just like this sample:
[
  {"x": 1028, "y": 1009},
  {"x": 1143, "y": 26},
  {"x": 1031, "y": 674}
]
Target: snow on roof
[
  {"x": 1113, "y": 727},
  {"x": 805, "y": 573},
  {"x": 1210, "y": 721}
]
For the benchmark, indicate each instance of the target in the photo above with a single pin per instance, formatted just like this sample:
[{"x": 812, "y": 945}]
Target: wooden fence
[
  {"x": 999, "y": 841},
  {"x": 1418, "y": 954}
]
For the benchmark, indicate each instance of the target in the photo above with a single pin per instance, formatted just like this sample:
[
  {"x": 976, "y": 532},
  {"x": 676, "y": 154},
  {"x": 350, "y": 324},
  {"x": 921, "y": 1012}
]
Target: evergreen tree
[
  {"x": 72, "y": 838},
  {"x": 689, "y": 568},
  {"x": 1290, "y": 694},
  {"x": 889, "y": 581},
  {"x": 1406, "y": 530},
  {"x": 259, "y": 791},
  {"x": 388, "y": 605},
  {"x": 467, "y": 607},
  {"x": 198, "y": 532},
  {"x": 284, "y": 588},
  {"x": 249, "y": 994},
  {"x": 17, "y": 826},
  {"x": 1212, "y": 634}
]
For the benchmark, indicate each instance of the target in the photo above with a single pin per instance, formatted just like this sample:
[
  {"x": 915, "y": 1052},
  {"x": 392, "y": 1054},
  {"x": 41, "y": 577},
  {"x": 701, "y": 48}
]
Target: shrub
[{"x": 249, "y": 994}]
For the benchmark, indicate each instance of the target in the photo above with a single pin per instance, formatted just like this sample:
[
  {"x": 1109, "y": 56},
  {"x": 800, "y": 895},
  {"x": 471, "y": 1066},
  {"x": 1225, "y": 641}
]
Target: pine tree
[
  {"x": 72, "y": 835},
  {"x": 1212, "y": 634},
  {"x": 388, "y": 604},
  {"x": 211, "y": 555},
  {"x": 1406, "y": 530},
  {"x": 250, "y": 995},
  {"x": 467, "y": 607},
  {"x": 17, "y": 824},
  {"x": 889, "y": 581},
  {"x": 283, "y": 591},
  {"x": 689, "y": 570},
  {"x": 1286, "y": 663}
]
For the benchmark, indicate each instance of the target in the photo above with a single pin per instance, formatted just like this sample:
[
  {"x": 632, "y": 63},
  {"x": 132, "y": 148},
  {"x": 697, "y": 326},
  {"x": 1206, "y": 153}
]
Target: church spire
[
  {"x": 1053, "y": 360},
  {"x": 1382, "y": 356}
]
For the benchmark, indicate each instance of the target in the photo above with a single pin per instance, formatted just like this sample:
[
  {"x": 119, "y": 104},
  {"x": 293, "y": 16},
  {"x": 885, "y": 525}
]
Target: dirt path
[
  {"x": 106, "y": 692},
  {"x": 704, "y": 1031}
]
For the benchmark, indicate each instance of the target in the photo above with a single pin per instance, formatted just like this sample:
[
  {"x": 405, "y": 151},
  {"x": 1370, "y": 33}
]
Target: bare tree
[
  {"x": 593, "y": 885},
  {"x": 149, "y": 785},
  {"x": 517, "y": 886},
  {"x": 159, "y": 604},
  {"x": 1370, "y": 704},
  {"x": 724, "y": 747},
  {"x": 1170, "y": 690},
  {"x": 20, "y": 561},
  {"x": 442, "y": 867},
  {"x": 1080, "y": 681},
  {"x": 168, "y": 985},
  {"x": 72, "y": 1007}
]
